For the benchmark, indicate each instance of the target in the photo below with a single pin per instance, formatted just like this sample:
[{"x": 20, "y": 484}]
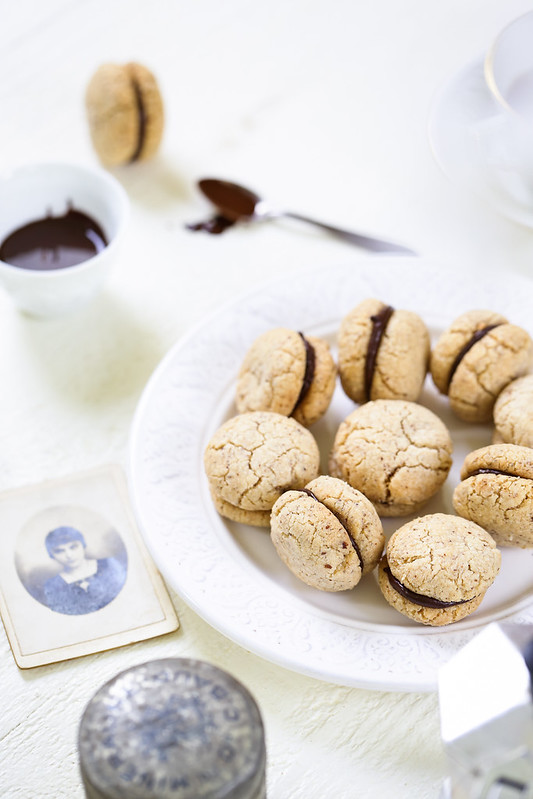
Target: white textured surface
[{"x": 262, "y": 94}]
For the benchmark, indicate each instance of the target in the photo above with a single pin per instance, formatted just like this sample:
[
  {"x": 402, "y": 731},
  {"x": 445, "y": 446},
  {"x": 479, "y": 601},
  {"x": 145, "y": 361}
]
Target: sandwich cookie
[
  {"x": 255, "y": 457},
  {"x": 383, "y": 353},
  {"x": 328, "y": 534},
  {"x": 437, "y": 568},
  {"x": 496, "y": 492},
  {"x": 125, "y": 113},
  {"x": 398, "y": 454},
  {"x": 287, "y": 372},
  {"x": 476, "y": 358},
  {"x": 513, "y": 413}
]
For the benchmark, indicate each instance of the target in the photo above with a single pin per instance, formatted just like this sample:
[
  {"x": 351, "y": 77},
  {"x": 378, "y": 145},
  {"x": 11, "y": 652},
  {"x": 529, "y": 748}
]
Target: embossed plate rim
[{"x": 194, "y": 548}]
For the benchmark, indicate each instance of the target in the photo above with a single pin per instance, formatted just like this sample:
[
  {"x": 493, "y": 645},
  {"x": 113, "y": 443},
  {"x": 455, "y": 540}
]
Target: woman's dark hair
[{"x": 62, "y": 535}]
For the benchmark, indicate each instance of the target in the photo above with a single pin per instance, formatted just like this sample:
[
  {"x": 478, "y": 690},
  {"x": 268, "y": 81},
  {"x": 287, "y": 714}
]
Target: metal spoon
[{"x": 240, "y": 204}]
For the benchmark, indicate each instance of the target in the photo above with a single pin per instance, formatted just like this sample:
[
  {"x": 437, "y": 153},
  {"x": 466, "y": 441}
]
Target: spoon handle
[{"x": 367, "y": 242}]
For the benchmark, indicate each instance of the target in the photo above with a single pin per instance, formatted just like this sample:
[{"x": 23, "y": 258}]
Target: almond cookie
[
  {"x": 496, "y": 491},
  {"x": 437, "y": 568},
  {"x": 398, "y": 454},
  {"x": 328, "y": 534},
  {"x": 383, "y": 353},
  {"x": 476, "y": 358},
  {"x": 253, "y": 458},
  {"x": 125, "y": 113},
  {"x": 289, "y": 373},
  {"x": 513, "y": 413}
]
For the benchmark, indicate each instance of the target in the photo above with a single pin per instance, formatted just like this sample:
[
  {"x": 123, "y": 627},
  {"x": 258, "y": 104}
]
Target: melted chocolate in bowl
[{"x": 54, "y": 242}]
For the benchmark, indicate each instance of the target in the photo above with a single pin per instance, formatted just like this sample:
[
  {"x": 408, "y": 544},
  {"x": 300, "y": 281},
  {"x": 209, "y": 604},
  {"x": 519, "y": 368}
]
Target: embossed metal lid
[{"x": 174, "y": 728}]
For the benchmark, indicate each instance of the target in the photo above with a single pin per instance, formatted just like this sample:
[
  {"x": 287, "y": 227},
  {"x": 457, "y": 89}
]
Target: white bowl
[{"x": 29, "y": 193}]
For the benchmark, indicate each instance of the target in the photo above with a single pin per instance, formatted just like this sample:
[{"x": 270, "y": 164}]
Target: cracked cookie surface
[
  {"x": 253, "y": 458},
  {"x": 473, "y": 376},
  {"x": 275, "y": 376},
  {"x": 398, "y": 454},
  {"x": 441, "y": 559},
  {"x": 401, "y": 359},
  {"x": 328, "y": 535},
  {"x": 513, "y": 413},
  {"x": 500, "y": 496}
]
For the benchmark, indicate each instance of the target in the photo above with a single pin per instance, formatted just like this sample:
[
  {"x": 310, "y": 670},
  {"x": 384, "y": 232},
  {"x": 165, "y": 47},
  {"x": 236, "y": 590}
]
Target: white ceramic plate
[
  {"x": 458, "y": 113},
  {"x": 229, "y": 573}
]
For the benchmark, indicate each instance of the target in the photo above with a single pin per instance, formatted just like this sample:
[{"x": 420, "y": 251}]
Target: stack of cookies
[{"x": 389, "y": 456}]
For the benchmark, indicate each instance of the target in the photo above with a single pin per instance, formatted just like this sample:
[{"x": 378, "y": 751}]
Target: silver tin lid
[{"x": 174, "y": 728}]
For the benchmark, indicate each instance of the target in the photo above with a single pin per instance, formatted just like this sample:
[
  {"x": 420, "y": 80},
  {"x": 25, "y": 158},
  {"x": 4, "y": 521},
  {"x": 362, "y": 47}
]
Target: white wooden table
[{"x": 324, "y": 107}]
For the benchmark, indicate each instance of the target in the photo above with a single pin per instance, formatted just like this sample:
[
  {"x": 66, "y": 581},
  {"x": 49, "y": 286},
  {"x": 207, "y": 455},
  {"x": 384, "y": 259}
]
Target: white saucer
[{"x": 455, "y": 114}]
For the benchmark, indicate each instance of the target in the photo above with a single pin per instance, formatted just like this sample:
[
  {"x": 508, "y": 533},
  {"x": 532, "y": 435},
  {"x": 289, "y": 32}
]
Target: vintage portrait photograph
[
  {"x": 75, "y": 576},
  {"x": 71, "y": 569}
]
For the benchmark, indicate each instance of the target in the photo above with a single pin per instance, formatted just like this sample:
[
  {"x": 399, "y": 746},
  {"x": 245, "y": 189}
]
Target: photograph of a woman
[
  {"x": 71, "y": 559},
  {"x": 75, "y": 576},
  {"x": 83, "y": 584}
]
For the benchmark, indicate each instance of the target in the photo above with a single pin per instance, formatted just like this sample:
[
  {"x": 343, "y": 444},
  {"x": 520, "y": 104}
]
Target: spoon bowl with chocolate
[
  {"x": 235, "y": 203},
  {"x": 60, "y": 229}
]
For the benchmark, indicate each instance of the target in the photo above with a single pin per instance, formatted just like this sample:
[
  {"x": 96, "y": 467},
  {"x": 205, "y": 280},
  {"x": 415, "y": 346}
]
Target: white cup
[
  {"x": 29, "y": 193},
  {"x": 506, "y": 136}
]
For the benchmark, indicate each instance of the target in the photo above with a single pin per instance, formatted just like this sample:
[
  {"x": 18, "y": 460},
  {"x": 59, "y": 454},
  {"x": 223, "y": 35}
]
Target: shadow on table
[
  {"x": 156, "y": 184},
  {"x": 97, "y": 356}
]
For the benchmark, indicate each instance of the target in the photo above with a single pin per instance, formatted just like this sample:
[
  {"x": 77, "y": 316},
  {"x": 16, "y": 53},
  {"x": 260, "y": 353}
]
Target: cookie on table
[
  {"x": 496, "y": 492},
  {"x": 513, "y": 413},
  {"x": 398, "y": 454},
  {"x": 476, "y": 358},
  {"x": 125, "y": 113},
  {"x": 383, "y": 353},
  {"x": 437, "y": 568},
  {"x": 328, "y": 534},
  {"x": 288, "y": 373},
  {"x": 252, "y": 459}
]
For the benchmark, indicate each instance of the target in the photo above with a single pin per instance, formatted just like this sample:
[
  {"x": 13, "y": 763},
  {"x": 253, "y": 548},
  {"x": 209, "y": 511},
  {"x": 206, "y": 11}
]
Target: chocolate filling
[
  {"x": 141, "y": 111},
  {"x": 309, "y": 373},
  {"x": 478, "y": 335},
  {"x": 379, "y": 325},
  {"x": 342, "y": 522},
  {"x": 492, "y": 471},
  {"x": 420, "y": 599}
]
